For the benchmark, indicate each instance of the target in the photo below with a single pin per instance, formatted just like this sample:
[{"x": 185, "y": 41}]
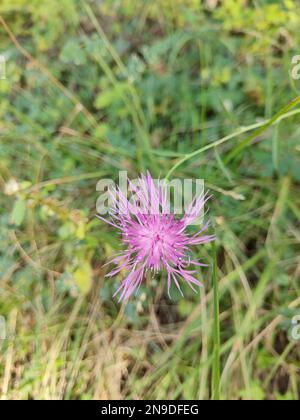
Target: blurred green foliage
[{"x": 94, "y": 87}]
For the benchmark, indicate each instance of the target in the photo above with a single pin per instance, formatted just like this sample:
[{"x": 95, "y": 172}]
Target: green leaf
[
  {"x": 66, "y": 230},
  {"x": 19, "y": 212},
  {"x": 111, "y": 95},
  {"x": 81, "y": 230},
  {"x": 83, "y": 277}
]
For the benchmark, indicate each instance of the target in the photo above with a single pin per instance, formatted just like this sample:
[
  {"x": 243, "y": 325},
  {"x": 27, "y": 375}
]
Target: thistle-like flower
[{"x": 153, "y": 238}]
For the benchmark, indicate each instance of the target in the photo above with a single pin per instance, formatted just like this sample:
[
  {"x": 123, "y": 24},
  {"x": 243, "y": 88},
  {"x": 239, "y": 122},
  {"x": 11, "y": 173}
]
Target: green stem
[
  {"x": 260, "y": 128},
  {"x": 241, "y": 146},
  {"x": 216, "y": 374}
]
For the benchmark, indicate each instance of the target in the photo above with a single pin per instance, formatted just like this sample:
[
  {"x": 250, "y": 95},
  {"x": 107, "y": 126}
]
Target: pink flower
[{"x": 154, "y": 239}]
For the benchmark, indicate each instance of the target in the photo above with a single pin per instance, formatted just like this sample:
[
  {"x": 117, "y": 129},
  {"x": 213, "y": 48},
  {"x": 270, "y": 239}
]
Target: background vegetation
[{"x": 94, "y": 87}]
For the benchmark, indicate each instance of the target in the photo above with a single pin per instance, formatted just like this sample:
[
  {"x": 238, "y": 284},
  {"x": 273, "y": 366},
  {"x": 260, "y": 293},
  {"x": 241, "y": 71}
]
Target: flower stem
[{"x": 217, "y": 340}]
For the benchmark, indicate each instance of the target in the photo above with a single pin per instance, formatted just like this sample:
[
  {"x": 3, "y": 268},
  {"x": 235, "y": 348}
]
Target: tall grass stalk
[
  {"x": 216, "y": 373},
  {"x": 259, "y": 128}
]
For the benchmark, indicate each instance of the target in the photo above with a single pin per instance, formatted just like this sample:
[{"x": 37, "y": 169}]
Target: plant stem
[
  {"x": 217, "y": 340},
  {"x": 260, "y": 127}
]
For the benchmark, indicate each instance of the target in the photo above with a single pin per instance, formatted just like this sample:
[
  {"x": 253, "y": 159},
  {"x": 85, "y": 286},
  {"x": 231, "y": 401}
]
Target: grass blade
[{"x": 216, "y": 332}]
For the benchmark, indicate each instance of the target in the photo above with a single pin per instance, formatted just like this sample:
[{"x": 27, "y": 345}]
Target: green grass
[{"x": 184, "y": 91}]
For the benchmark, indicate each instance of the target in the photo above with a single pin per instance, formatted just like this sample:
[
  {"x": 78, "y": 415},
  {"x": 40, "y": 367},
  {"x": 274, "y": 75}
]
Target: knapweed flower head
[{"x": 154, "y": 239}]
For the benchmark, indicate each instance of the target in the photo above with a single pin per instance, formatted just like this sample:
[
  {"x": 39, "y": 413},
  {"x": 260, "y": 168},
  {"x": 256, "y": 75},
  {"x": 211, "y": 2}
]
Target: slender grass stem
[
  {"x": 241, "y": 146},
  {"x": 259, "y": 128},
  {"x": 216, "y": 374}
]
